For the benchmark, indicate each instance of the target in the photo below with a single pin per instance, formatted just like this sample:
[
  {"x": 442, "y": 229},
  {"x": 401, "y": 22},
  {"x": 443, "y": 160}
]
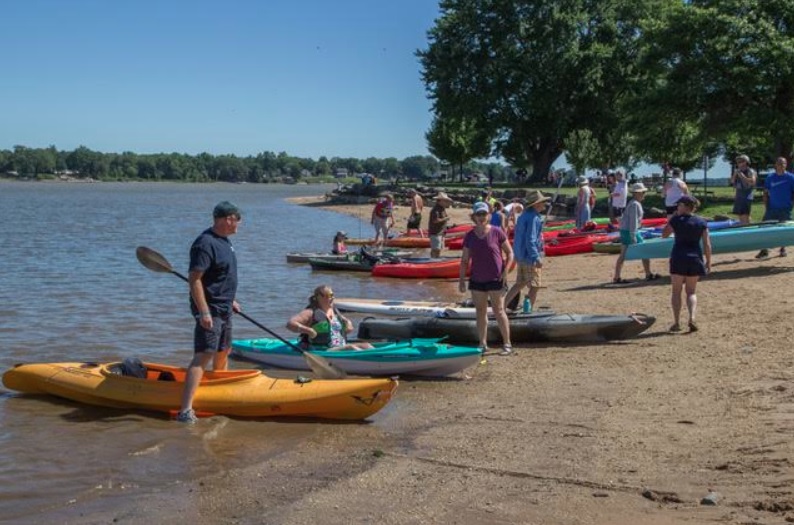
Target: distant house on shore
[{"x": 341, "y": 173}]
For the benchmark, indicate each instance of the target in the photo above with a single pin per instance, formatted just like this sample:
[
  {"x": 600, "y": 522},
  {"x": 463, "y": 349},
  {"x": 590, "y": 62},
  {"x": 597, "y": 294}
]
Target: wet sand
[{"x": 632, "y": 432}]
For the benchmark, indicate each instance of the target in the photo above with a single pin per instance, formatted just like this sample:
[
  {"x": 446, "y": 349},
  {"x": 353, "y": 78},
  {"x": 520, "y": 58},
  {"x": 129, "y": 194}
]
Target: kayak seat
[{"x": 165, "y": 375}]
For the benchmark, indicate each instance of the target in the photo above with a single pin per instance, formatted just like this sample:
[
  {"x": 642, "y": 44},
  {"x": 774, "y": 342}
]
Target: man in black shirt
[{"x": 213, "y": 285}]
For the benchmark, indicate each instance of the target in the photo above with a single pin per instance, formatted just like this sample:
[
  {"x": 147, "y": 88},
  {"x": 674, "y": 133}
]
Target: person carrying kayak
[{"x": 321, "y": 325}]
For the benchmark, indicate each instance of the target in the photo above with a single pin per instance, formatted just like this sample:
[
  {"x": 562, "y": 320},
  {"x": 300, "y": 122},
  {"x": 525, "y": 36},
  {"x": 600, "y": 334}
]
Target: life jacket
[{"x": 322, "y": 326}]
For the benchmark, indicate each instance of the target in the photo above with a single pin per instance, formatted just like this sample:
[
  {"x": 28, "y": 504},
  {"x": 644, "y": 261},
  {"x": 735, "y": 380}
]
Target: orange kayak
[{"x": 241, "y": 393}]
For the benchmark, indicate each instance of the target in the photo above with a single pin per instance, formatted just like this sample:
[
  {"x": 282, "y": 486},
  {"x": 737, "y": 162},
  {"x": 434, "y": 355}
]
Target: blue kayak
[
  {"x": 417, "y": 357},
  {"x": 727, "y": 240}
]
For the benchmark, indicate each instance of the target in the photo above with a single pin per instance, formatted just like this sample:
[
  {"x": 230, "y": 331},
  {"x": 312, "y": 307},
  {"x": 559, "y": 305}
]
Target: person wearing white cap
[
  {"x": 487, "y": 255},
  {"x": 585, "y": 200},
  {"x": 629, "y": 232}
]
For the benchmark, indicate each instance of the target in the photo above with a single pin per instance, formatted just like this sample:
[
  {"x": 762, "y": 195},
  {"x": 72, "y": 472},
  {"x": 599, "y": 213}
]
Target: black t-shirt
[{"x": 214, "y": 256}]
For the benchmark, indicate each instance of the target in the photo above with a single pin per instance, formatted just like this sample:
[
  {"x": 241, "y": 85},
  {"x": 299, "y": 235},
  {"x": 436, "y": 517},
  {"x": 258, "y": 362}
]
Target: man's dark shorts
[
  {"x": 779, "y": 214},
  {"x": 213, "y": 340}
]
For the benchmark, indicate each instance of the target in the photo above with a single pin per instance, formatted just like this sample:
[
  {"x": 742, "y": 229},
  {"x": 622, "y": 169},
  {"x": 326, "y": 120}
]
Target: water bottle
[{"x": 527, "y": 305}]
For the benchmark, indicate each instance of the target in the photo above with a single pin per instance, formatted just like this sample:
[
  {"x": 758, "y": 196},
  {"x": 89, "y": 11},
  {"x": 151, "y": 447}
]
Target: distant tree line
[
  {"x": 267, "y": 166},
  {"x": 611, "y": 83}
]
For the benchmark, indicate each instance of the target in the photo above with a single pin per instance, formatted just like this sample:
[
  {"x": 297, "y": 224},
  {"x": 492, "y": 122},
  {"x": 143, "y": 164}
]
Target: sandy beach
[{"x": 631, "y": 432}]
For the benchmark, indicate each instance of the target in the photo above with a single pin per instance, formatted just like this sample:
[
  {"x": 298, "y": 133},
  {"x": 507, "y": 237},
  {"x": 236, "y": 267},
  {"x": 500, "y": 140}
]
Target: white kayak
[{"x": 406, "y": 308}]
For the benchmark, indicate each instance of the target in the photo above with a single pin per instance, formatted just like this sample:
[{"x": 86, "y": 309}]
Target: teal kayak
[
  {"x": 418, "y": 357},
  {"x": 728, "y": 240}
]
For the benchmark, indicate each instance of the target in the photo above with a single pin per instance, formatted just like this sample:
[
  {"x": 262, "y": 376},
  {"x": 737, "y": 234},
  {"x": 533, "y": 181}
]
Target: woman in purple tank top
[{"x": 487, "y": 252}]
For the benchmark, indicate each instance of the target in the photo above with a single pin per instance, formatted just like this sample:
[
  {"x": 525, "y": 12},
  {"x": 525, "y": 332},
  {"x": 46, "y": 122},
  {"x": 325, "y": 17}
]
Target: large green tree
[
  {"x": 531, "y": 71},
  {"x": 722, "y": 71},
  {"x": 457, "y": 141}
]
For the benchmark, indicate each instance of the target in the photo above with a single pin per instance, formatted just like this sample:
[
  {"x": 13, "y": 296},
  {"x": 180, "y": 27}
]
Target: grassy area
[{"x": 718, "y": 203}]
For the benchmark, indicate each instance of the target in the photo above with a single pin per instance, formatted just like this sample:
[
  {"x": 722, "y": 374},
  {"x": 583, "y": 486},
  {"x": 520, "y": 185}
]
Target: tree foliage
[
  {"x": 717, "y": 72},
  {"x": 457, "y": 141},
  {"x": 267, "y": 166},
  {"x": 530, "y": 72}
]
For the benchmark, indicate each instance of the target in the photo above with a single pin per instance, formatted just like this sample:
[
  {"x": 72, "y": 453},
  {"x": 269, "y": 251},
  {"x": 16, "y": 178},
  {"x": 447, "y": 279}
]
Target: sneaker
[
  {"x": 783, "y": 252},
  {"x": 482, "y": 350},
  {"x": 506, "y": 350},
  {"x": 763, "y": 253},
  {"x": 187, "y": 416}
]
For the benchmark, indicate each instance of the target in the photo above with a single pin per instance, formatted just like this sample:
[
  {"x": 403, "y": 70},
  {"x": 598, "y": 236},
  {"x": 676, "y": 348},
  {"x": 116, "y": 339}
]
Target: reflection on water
[{"x": 71, "y": 290}]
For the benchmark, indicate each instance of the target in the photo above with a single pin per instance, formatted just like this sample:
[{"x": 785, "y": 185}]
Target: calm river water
[{"x": 71, "y": 289}]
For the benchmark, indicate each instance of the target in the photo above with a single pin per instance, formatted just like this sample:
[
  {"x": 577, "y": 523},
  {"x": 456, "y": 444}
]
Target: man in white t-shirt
[
  {"x": 619, "y": 194},
  {"x": 672, "y": 192}
]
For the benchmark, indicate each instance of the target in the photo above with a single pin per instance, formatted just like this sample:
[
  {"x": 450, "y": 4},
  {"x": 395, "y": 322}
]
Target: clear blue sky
[{"x": 309, "y": 77}]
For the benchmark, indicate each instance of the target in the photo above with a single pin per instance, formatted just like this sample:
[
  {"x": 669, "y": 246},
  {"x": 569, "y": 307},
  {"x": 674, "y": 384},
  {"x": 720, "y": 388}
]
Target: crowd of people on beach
[{"x": 487, "y": 258}]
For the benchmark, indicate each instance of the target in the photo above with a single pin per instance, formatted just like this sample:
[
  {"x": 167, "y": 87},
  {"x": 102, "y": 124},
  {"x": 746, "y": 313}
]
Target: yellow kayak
[{"x": 241, "y": 393}]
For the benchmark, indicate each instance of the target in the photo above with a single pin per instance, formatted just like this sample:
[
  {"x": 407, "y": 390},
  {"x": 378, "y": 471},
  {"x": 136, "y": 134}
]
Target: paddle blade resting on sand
[{"x": 319, "y": 365}]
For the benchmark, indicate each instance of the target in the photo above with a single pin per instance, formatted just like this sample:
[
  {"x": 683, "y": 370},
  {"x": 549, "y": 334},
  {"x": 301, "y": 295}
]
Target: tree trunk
[{"x": 543, "y": 157}]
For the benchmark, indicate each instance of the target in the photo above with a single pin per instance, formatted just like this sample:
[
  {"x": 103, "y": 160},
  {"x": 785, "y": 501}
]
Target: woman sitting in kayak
[
  {"x": 321, "y": 325},
  {"x": 339, "y": 243}
]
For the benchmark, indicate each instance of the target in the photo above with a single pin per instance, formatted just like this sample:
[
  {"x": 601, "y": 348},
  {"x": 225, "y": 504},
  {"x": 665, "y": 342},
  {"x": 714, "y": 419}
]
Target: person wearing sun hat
[
  {"x": 437, "y": 223},
  {"x": 585, "y": 200},
  {"x": 630, "y": 224},
  {"x": 528, "y": 248},
  {"x": 486, "y": 256},
  {"x": 688, "y": 260}
]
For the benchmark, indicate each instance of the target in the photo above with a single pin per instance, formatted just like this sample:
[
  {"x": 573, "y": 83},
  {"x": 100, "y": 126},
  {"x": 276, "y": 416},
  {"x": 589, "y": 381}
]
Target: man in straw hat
[
  {"x": 630, "y": 224},
  {"x": 528, "y": 248},
  {"x": 437, "y": 223}
]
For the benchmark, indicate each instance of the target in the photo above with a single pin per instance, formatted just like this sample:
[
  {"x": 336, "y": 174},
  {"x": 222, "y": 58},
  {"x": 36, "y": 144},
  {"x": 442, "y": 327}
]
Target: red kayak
[
  {"x": 574, "y": 245},
  {"x": 443, "y": 269}
]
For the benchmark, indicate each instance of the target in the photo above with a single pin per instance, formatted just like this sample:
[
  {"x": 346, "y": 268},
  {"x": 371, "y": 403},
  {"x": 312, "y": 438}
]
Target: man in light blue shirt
[
  {"x": 528, "y": 247},
  {"x": 778, "y": 190}
]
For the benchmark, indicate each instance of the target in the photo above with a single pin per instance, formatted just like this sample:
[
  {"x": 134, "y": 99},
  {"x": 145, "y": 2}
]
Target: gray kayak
[
  {"x": 303, "y": 257},
  {"x": 524, "y": 328}
]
